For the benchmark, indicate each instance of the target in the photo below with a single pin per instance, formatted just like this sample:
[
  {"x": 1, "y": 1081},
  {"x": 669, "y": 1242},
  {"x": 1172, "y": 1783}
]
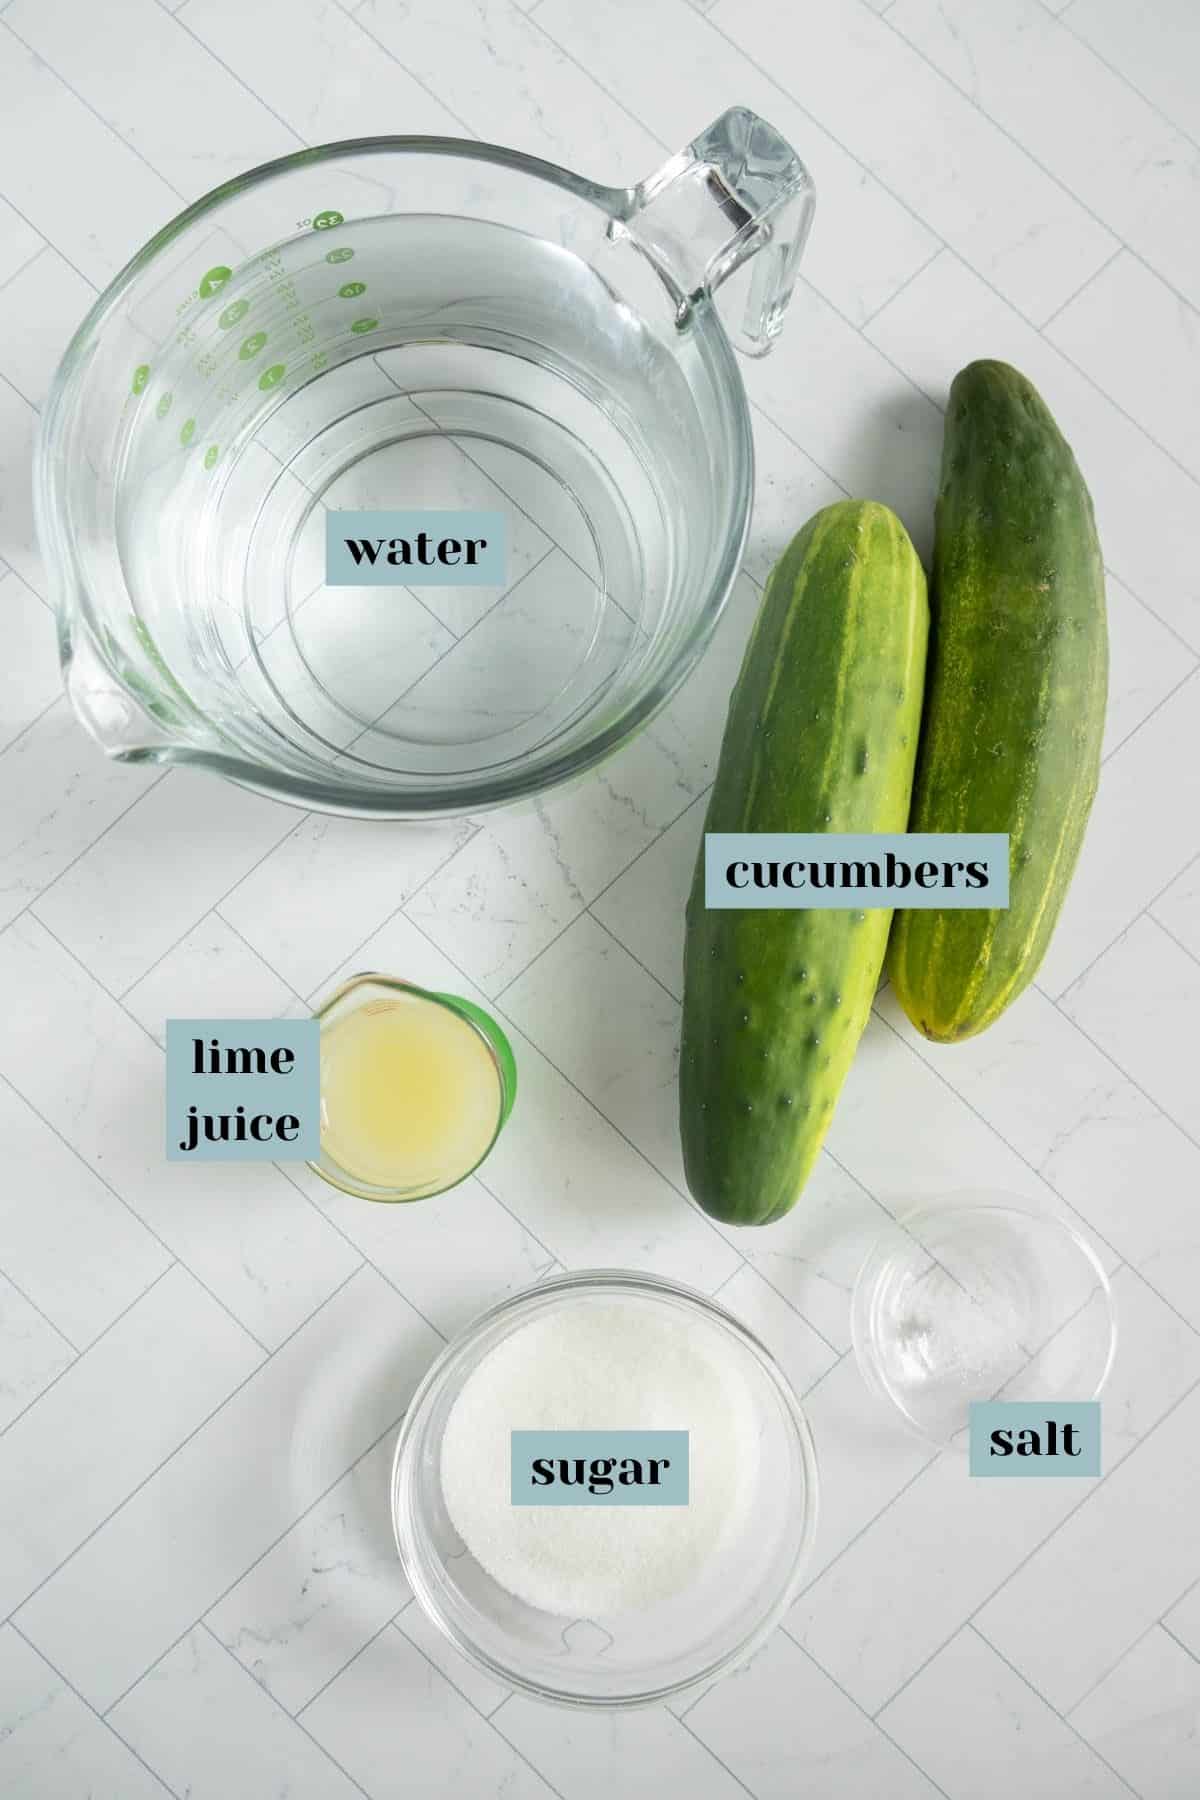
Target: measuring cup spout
[
  {"x": 128, "y": 725},
  {"x": 731, "y": 211}
]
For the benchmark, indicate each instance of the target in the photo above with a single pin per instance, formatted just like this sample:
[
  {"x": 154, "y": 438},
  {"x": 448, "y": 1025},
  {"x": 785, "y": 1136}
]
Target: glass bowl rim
[
  {"x": 871, "y": 1269},
  {"x": 458, "y": 1350}
]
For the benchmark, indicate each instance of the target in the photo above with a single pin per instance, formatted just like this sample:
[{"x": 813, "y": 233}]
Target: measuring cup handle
[{"x": 734, "y": 207}]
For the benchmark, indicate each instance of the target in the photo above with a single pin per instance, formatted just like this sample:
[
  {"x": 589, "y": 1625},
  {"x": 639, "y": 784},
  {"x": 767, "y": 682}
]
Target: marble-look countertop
[{"x": 201, "y": 1370}]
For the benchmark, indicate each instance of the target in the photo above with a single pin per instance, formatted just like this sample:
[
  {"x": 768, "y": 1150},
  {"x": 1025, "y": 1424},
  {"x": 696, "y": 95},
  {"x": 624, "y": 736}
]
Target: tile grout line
[
  {"x": 183, "y": 1443},
  {"x": 29, "y": 905},
  {"x": 747, "y": 1265},
  {"x": 683, "y": 1725},
  {"x": 999, "y": 294},
  {"x": 47, "y": 243},
  {"x": 1170, "y": 694},
  {"x": 1066, "y": 1519},
  {"x": 588, "y": 904},
  {"x": 112, "y": 1323},
  {"x": 1163, "y": 1626},
  {"x": 921, "y": 269},
  {"x": 1092, "y": 1228},
  {"x": 202, "y": 1625},
  {"x": 1144, "y": 1092},
  {"x": 1063, "y": 1717},
  {"x": 394, "y": 1622},
  {"x": 1153, "y": 919},
  {"x": 108, "y": 125},
  {"x": 879, "y": 1726},
  {"x": 1166, "y": 119},
  {"x": 348, "y": 1664},
  {"x": 209, "y": 912},
  {"x": 1081, "y": 289},
  {"x": 1012, "y": 138},
  {"x": 129, "y": 1208},
  {"x": 99, "y": 1717},
  {"x": 23, "y": 267},
  {"x": 354, "y": 15},
  {"x": 46, "y": 1319},
  {"x": 203, "y": 1618},
  {"x": 301, "y": 142},
  {"x": 365, "y": 1261},
  {"x": 1154, "y": 1625},
  {"x": 399, "y": 908}
]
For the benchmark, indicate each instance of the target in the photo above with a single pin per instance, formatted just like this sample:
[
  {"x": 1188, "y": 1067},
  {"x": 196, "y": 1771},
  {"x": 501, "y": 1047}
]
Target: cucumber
[
  {"x": 1014, "y": 708},
  {"x": 821, "y": 736}
]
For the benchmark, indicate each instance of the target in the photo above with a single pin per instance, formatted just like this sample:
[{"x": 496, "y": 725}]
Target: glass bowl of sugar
[{"x": 596, "y": 1573}]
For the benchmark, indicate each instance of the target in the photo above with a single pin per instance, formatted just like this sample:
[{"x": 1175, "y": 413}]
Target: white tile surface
[
  {"x": 297, "y": 1617},
  {"x": 32, "y": 1353},
  {"x": 95, "y": 1075},
  {"x": 1093, "y": 1136},
  {"x": 947, "y": 1542},
  {"x": 95, "y": 201},
  {"x": 983, "y": 171},
  {"x": 445, "y": 1744},
  {"x": 80, "y": 1254},
  {"x": 333, "y": 82},
  {"x": 39, "y": 310},
  {"x": 134, "y": 65},
  {"x": 1129, "y": 330},
  {"x": 678, "y": 95},
  {"x": 981, "y": 193},
  {"x": 1109, "y": 1573},
  {"x": 1177, "y": 909},
  {"x": 174, "y": 1356},
  {"x": 300, "y": 912},
  {"x": 1016, "y": 63},
  {"x": 782, "y": 1727},
  {"x": 1126, "y": 1000},
  {"x": 60, "y": 795},
  {"x": 484, "y": 1694},
  {"x": 1143, "y": 1717},
  {"x": 51, "y": 1746},
  {"x": 1155, "y": 49},
  {"x": 647, "y": 1753},
  {"x": 172, "y": 856},
  {"x": 29, "y": 683},
  {"x": 198, "y": 1524},
  {"x": 1030, "y": 1751},
  {"x": 200, "y": 1721}
]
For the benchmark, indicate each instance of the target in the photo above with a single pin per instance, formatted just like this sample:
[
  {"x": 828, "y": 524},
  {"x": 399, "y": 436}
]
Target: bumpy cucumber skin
[
  {"x": 821, "y": 736},
  {"x": 1014, "y": 710}
]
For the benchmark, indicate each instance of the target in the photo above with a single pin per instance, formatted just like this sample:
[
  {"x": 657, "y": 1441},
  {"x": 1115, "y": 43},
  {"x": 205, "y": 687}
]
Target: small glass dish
[
  {"x": 980, "y": 1298},
  {"x": 637, "y": 1658},
  {"x": 471, "y": 1052}
]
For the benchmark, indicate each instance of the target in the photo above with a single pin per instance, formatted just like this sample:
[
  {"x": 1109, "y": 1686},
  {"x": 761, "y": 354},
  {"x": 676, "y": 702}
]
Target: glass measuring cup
[{"x": 414, "y": 323}]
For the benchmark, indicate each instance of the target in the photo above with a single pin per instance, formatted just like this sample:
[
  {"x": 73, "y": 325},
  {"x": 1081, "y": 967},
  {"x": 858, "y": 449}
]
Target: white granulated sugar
[{"x": 602, "y": 1365}]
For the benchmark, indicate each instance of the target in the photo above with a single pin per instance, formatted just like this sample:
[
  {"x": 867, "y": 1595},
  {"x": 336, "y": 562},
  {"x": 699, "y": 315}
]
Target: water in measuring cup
[{"x": 410, "y": 363}]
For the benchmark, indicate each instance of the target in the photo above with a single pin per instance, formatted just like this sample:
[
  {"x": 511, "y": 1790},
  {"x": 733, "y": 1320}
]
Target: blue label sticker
[
  {"x": 1026, "y": 1437},
  {"x": 243, "y": 1090},
  {"x": 599, "y": 1468},
  {"x": 856, "y": 871},
  {"x": 416, "y": 549}
]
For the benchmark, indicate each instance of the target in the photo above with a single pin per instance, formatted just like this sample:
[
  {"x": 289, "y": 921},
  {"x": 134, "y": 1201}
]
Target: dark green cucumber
[
  {"x": 821, "y": 736},
  {"x": 1014, "y": 708}
]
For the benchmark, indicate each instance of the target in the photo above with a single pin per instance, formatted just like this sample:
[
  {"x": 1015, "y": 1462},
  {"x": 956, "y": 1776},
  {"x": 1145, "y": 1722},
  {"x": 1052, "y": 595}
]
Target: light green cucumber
[
  {"x": 1014, "y": 709},
  {"x": 821, "y": 736}
]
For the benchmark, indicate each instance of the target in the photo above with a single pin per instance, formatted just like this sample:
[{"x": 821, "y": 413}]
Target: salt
[{"x": 602, "y": 1365}]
